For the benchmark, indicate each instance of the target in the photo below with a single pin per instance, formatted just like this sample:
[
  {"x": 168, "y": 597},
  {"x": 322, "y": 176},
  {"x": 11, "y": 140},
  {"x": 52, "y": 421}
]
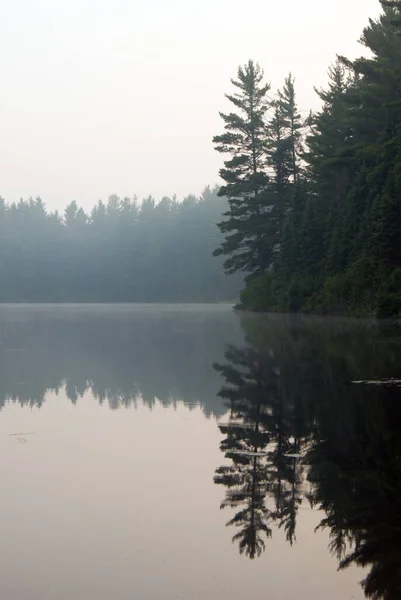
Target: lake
[{"x": 186, "y": 451}]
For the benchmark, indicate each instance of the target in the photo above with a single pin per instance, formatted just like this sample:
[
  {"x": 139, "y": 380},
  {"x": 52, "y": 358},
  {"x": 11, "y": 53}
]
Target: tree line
[
  {"x": 314, "y": 217},
  {"x": 123, "y": 250}
]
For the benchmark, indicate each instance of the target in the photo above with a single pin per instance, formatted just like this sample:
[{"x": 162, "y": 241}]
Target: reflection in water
[
  {"x": 119, "y": 354},
  {"x": 262, "y": 441},
  {"x": 356, "y": 472},
  {"x": 246, "y": 437},
  {"x": 298, "y": 431}
]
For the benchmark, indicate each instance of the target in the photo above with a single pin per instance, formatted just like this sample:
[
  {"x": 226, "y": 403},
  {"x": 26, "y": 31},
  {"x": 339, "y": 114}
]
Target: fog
[
  {"x": 123, "y": 97},
  {"x": 120, "y": 252}
]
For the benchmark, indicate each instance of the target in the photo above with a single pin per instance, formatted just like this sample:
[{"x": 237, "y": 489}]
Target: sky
[{"x": 122, "y": 97}]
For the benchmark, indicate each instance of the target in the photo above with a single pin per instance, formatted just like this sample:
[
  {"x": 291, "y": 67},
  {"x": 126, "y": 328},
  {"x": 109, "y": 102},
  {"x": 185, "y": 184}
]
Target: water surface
[{"x": 162, "y": 452}]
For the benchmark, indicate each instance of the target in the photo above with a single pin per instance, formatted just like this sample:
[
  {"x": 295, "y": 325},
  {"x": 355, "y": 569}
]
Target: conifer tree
[
  {"x": 249, "y": 226},
  {"x": 292, "y": 124}
]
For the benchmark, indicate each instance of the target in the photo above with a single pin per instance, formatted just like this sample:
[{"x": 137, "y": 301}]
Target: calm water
[{"x": 164, "y": 452}]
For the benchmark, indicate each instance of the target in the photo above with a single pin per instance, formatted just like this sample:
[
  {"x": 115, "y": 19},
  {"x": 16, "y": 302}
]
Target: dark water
[{"x": 163, "y": 452}]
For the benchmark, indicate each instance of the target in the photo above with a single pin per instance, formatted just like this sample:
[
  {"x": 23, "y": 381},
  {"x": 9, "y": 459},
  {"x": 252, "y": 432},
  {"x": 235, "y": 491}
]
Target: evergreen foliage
[
  {"x": 333, "y": 188},
  {"x": 249, "y": 240}
]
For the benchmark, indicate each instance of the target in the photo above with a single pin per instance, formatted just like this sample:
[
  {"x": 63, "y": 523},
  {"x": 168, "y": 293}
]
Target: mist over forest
[{"x": 124, "y": 250}]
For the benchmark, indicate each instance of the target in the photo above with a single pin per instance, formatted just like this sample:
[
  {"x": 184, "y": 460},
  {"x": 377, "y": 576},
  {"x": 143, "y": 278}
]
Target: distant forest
[
  {"x": 314, "y": 218},
  {"x": 122, "y": 251}
]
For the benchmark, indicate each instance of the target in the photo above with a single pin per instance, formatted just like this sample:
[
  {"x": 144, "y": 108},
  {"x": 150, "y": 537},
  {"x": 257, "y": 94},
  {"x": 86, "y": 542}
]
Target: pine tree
[
  {"x": 292, "y": 124},
  {"x": 326, "y": 155},
  {"x": 284, "y": 150},
  {"x": 279, "y": 158},
  {"x": 381, "y": 90},
  {"x": 249, "y": 228}
]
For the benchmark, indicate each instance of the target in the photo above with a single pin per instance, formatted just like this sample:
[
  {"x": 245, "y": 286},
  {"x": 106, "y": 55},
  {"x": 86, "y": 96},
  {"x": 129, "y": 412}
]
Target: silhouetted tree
[{"x": 249, "y": 228}]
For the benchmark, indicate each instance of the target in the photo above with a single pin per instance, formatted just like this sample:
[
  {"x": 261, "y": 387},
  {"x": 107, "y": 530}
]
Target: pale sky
[{"x": 121, "y": 96}]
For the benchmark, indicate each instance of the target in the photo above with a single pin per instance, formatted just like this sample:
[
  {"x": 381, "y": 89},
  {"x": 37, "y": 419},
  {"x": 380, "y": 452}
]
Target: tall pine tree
[
  {"x": 249, "y": 226},
  {"x": 292, "y": 124}
]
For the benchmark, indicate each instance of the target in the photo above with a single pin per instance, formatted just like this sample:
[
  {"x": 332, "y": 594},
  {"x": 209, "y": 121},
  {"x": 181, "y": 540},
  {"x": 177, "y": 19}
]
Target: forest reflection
[
  {"x": 122, "y": 355},
  {"x": 296, "y": 433},
  {"x": 299, "y": 432}
]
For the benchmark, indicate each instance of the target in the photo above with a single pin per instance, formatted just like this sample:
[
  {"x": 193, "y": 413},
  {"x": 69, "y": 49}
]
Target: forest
[
  {"x": 308, "y": 217},
  {"x": 123, "y": 251},
  {"x": 314, "y": 211}
]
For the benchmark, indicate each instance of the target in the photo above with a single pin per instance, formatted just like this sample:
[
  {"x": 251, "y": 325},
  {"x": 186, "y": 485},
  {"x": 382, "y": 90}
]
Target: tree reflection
[
  {"x": 358, "y": 485},
  {"x": 297, "y": 430},
  {"x": 246, "y": 437},
  {"x": 263, "y": 479}
]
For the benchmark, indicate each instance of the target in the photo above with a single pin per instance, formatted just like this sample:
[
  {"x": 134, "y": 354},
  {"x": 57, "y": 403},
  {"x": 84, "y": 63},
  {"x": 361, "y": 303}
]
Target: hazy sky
[{"x": 121, "y": 96}]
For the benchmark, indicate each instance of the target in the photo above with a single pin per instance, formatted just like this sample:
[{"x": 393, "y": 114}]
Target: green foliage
[
  {"x": 292, "y": 125},
  {"x": 249, "y": 236},
  {"x": 350, "y": 292},
  {"x": 257, "y": 295},
  {"x": 389, "y": 299},
  {"x": 338, "y": 220}
]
